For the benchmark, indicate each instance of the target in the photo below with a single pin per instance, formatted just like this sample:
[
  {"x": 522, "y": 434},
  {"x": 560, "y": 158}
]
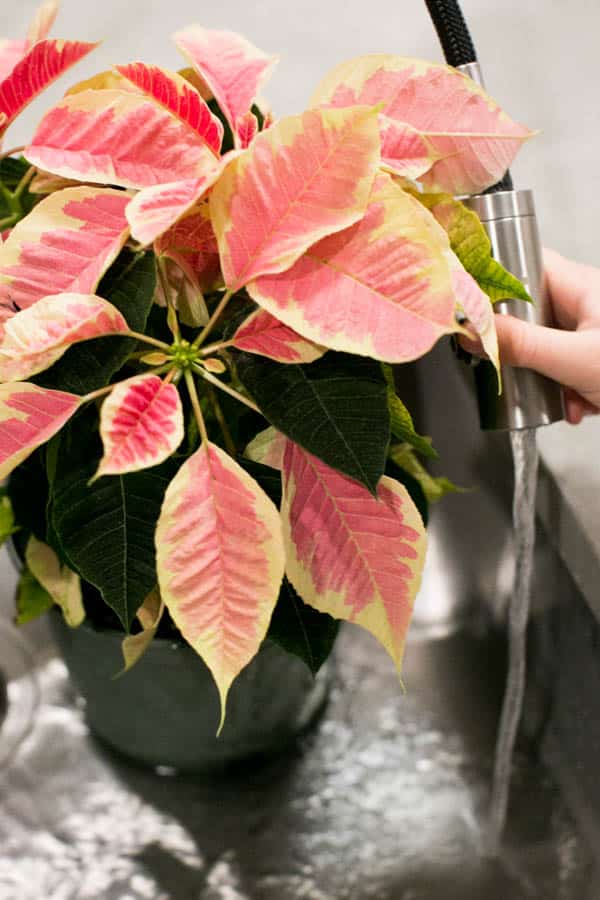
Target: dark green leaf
[
  {"x": 28, "y": 492},
  {"x": 32, "y": 599},
  {"x": 129, "y": 285},
  {"x": 106, "y": 530},
  {"x": 11, "y": 172},
  {"x": 301, "y": 630},
  {"x": 336, "y": 408}
]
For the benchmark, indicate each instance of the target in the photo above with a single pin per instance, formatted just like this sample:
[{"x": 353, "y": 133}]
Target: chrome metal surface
[
  {"x": 528, "y": 400},
  {"x": 473, "y": 70},
  {"x": 384, "y": 801}
]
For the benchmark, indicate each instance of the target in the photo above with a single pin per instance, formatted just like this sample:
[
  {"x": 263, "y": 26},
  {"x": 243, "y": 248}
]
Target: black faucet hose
[{"x": 459, "y": 50}]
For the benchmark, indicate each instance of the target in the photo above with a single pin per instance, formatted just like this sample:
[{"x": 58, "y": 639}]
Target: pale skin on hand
[{"x": 569, "y": 353}]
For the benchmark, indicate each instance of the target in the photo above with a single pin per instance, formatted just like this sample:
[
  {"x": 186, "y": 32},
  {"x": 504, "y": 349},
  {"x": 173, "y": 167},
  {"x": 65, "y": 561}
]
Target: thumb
[{"x": 561, "y": 355}]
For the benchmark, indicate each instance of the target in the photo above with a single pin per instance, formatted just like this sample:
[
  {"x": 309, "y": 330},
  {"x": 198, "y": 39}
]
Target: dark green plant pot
[{"x": 165, "y": 711}]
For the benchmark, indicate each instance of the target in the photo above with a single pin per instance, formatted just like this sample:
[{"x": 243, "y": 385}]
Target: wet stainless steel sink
[{"x": 382, "y": 800}]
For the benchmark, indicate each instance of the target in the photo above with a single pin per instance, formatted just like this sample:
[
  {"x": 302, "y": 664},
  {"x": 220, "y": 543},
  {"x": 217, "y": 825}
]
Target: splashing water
[{"x": 525, "y": 456}]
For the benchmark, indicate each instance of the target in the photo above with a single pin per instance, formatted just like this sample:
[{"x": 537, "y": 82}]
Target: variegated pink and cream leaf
[
  {"x": 193, "y": 239},
  {"x": 404, "y": 150},
  {"x": 268, "y": 448},
  {"x": 37, "y": 336},
  {"x": 141, "y": 425},
  {"x": 477, "y": 307},
  {"x": 349, "y": 554},
  {"x": 63, "y": 585},
  {"x": 155, "y": 209},
  {"x": 30, "y": 416},
  {"x": 149, "y": 615},
  {"x": 306, "y": 177},
  {"x": 381, "y": 288},
  {"x": 233, "y": 69},
  {"x": 118, "y": 137},
  {"x": 220, "y": 561},
  {"x": 179, "y": 97},
  {"x": 262, "y": 333},
  {"x": 40, "y": 66},
  {"x": 474, "y": 140},
  {"x": 65, "y": 244}
]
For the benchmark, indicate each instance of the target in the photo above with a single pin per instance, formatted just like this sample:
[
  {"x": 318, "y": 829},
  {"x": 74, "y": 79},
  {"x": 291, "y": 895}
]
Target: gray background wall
[{"x": 540, "y": 60}]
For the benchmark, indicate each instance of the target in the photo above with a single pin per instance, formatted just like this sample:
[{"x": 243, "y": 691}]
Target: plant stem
[
  {"x": 189, "y": 380},
  {"x": 24, "y": 182},
  {"x": 229, "y": 442},
  {"x": 12, "y": 152},
  {"x": 209, "y": 325},
  {"x": 225, "y": 387},
  {"x": 214, "y": 348},
  {"x": 146, "y": 339},
  {"x": 95, "y": 395}
]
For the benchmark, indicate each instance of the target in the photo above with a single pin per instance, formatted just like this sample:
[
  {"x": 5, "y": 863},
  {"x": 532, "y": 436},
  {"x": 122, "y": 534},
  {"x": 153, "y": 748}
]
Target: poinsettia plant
[{"x": 200, "y": 307}]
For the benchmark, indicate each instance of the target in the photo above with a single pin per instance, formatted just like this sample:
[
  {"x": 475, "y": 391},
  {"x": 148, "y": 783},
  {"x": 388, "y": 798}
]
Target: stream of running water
[{"x": 525, "y": 456}]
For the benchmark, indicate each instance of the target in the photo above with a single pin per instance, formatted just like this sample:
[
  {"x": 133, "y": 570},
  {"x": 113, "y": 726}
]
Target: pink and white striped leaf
[
  {"x": 381, "y": 289},
  {"x": 63, "y": 585},
  {"x": 40, "y": 66},
  {"x": 306, "y": 177},
  {"x": 65, "y": 244},
  {"x": 30, "y": 416},
  {"x": 349, "y": 554},
  {"x": 118, "y": 137},
  {"x": 220, "y": 561},
  {"x": 141, "y": 425},
  {"x": 232, "y": 68},
  {"x": 39, "y": 335},
  {"x": 474, "y": 139},
  {"x": 42, "y": 22},
  {"x": 178, "y": 96},
  {"x": 479, "y": 310},
  {"x": 262, "y": 333},
  {"x": 155, "y": 209},
  {"x": 268, "y": 448},
  {"x": 193, "y": 239}
]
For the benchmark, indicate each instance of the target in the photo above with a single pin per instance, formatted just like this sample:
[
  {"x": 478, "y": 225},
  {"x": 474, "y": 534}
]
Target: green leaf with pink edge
[
  {"x": 306, "y": 177},
  {"x": 262, "y": 333},
  {"x": 38, "y": 336},
  {"x": 381, "y": 288},
  {"x": 65, "y": 244},
  {"x": 88, "y": 137},
  {"x": 141, "y": 425},
  {"x": 220, "y": 561},
  {"x": 232, "y": 68},
  {"x": 29, "y": 416},
  {"x": 62, "y": 584},
  {"x": 434, "y": 487},
  {"x": 469, "y": 240},
  {"x": 38, "y": 68},
  {"x": 349, "y": 554},
  {"x": 474, "y": 140}
]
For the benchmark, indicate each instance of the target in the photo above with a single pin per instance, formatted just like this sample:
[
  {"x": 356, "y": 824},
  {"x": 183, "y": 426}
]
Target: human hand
[{"x": 570, "y": 353}]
